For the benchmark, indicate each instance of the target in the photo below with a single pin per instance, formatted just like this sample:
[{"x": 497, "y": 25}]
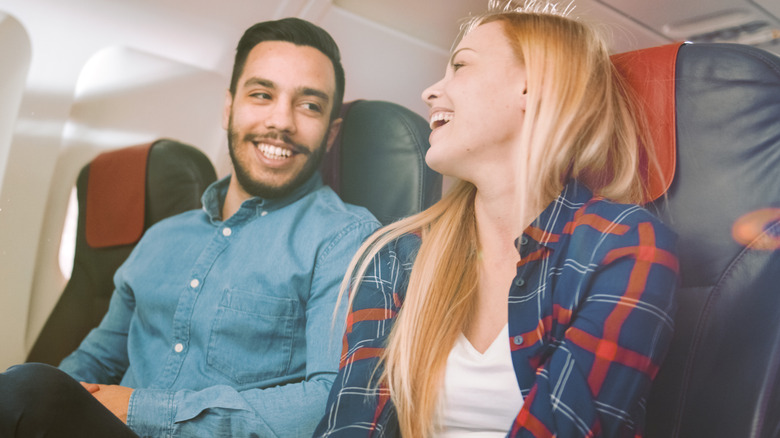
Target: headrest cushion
[
  {"x": 650, "y": 76},
  {"x": 116, "y": 193}
]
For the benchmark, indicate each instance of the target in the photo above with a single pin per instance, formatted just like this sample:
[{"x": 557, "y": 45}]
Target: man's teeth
[
  {"x": 274, "y": 152},
  {"x": 440, "y": 119}
]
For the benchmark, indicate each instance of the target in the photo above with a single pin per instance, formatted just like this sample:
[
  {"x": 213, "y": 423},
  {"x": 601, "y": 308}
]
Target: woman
[{"x": 521, "y": 303}]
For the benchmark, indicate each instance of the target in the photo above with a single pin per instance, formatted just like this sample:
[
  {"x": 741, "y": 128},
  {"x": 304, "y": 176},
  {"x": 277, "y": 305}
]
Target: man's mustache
[{"x": 278, "y": 136}]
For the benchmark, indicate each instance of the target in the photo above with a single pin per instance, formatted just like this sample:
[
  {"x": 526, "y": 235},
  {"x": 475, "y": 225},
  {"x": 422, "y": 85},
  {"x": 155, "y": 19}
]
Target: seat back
[
  {"x": 120, "y": 194},
  {"x": 721, "y": 377},
  {"x": 378, "y": 160}
]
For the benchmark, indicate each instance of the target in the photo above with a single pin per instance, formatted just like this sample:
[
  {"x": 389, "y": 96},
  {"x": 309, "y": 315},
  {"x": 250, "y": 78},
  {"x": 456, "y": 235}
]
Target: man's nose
[{"x": 281, "y": 117}]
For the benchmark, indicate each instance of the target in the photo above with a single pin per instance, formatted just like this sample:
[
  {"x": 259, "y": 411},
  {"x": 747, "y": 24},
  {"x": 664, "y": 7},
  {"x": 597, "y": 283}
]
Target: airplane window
[{"x": 68, "y": 242}]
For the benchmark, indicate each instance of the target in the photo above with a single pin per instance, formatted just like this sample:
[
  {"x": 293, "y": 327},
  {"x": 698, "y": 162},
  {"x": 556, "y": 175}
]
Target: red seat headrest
[
  {"x": 650, "y": 75},
  {"x": 116, "y": 194}
]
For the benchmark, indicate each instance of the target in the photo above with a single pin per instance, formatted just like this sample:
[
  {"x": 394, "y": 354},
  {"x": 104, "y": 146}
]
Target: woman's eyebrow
[{"x": 452, "y": 58}]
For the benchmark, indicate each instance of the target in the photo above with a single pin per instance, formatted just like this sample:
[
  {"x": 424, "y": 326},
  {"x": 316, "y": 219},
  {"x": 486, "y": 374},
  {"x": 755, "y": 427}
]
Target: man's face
[{"x": 278, "y": 121}]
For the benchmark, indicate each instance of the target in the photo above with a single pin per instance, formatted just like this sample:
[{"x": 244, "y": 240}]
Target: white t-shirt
[{"x": 481, "y": 397}]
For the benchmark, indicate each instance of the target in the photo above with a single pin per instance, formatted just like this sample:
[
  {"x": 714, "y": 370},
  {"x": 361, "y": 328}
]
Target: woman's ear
[{"x": 524, "y": 95}]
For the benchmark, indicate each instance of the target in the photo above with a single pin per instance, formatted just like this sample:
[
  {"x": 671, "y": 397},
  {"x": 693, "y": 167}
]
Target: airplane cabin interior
[{"x": 144, "y": 81}]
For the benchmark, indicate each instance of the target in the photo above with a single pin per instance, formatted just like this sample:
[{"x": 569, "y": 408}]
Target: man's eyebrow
[
  {"x": 304, "y": 91},
  {"x": 260, "y": 81}
]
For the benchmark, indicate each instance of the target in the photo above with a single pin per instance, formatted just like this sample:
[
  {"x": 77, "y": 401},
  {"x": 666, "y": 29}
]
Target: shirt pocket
[{"x": 252, "y": 336}]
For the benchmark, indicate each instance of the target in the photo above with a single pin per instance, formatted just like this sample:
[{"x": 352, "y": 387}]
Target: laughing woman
[{"x": 536, "y": 298}]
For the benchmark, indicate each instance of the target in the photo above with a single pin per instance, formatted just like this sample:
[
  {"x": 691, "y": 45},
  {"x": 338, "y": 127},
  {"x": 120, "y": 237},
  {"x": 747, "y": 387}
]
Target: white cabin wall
[
  {"x": 382, "y": 63},
  {"x": 621, "y": 33},
  {"x": 46, "y": 153},
  {"x": 15, "y": 47}
]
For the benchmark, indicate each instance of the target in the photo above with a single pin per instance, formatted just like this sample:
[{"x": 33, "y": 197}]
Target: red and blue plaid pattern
[{"x": 590, "y": 320}]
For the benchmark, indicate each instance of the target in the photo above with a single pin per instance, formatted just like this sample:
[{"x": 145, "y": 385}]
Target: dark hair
[{"x": 296, "y": 31}]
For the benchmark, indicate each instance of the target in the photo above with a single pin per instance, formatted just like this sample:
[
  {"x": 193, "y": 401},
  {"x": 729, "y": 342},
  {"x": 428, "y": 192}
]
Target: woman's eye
[{"x": 456, "y": 66}]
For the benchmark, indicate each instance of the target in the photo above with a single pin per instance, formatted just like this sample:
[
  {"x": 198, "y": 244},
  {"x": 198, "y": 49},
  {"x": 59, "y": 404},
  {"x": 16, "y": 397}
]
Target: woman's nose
[{"x": 431, "y": 93}]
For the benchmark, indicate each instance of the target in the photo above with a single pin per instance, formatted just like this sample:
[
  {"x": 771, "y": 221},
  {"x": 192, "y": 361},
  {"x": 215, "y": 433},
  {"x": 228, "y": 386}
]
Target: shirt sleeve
[
  {"x": 289, "y": 410},
  {"x": 357, "y": 405},
  {"x": 102, "y": 355},
  {"x": 593, "y": 381}
]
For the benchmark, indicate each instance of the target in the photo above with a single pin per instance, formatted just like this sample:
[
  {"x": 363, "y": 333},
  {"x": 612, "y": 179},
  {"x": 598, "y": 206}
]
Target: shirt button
[
  {"x": 519, "y": 282},
  {"x": 518, "y": 340},
  {"x": 178, "y": 347},
  {"x": 194, "y": 283},
  {"x": 263, "y": 213},
  {"x": 523, "y": 240},
  {"x": 227, "y": 231}
]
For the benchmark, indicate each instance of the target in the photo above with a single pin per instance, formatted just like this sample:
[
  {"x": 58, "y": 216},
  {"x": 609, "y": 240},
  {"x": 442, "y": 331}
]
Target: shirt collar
[
  {"x": 214, "y": 197},
  {"x": 546, "y": 229}
]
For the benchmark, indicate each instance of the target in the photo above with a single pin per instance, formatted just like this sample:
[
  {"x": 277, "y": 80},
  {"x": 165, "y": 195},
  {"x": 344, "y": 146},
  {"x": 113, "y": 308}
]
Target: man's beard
[{"x": 263, "y": 190}]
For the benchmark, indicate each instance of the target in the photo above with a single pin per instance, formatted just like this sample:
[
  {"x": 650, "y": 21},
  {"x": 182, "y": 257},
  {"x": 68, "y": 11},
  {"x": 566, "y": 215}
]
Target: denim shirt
[{"x": 226, "y": 328}]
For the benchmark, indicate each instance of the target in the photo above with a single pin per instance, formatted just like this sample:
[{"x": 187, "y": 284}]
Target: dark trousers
[{"x": 39, "y": 400}]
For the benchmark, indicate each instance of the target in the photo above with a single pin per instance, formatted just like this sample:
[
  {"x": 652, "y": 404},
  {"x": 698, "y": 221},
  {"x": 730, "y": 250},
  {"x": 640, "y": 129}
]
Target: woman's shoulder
[
  {"x": 621, "y": 213},
  {"x": 403, "y": 247},
  {"x": 614, "y": 220}
]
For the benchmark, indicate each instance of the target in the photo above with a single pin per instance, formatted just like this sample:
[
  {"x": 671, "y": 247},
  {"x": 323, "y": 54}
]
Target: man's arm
[
  {"x": 286, "y": 410},
  {"x": 102, "y": 355}
]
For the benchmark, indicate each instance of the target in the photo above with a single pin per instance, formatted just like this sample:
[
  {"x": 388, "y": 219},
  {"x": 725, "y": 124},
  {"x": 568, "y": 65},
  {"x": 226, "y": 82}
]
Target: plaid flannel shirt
[{"x": 590, "y": 319}]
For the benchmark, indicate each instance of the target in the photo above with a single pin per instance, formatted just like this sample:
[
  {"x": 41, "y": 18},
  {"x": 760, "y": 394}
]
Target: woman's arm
[
  {"x": 593, "y": 380},
  {"x": 357, "y": 405}
]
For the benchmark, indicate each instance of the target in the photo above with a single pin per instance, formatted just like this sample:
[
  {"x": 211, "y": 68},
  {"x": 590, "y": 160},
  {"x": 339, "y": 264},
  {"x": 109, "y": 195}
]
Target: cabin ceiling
[{"x": 751, "y": 21}]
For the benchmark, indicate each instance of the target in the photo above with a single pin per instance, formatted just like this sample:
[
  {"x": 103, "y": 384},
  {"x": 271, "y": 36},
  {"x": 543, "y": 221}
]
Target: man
[{"x": 222, "y": 319}]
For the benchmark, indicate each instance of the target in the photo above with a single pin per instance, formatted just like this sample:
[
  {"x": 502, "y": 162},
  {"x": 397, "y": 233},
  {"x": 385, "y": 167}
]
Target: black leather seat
[
  {"x": 131, "y": 189},
  {"x": 722, "y": 375},
  {"x": 378, "y": 161}
]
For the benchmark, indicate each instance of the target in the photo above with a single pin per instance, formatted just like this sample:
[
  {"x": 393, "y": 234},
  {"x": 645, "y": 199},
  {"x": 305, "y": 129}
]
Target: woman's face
[{"x": 476, "y": 110}]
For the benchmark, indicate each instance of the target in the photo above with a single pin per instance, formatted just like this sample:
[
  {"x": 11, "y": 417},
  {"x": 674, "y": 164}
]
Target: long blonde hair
[{"x": 578, "y": 124}]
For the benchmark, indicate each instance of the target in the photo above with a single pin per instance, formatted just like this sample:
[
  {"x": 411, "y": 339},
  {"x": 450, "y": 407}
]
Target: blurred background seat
[
  {"x": 120, "y": 194},
  {"x": 378, "y": 161}
]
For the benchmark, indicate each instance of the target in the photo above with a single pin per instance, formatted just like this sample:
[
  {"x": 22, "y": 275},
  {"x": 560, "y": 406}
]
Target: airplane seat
[
  {"x": 378, "y": 160},
  {"x": 120, "y": 194},
  {"x": 714, "y": 112}
]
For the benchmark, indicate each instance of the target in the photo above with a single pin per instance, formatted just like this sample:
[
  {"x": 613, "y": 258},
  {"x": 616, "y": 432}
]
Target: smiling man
[
  {"x": 221, "y": 320},
  {"x": 279, "y": 125}
]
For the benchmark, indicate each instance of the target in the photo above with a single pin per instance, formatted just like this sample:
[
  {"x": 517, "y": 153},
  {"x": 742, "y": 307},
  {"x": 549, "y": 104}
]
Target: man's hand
[{"x": 114, "y": 397}]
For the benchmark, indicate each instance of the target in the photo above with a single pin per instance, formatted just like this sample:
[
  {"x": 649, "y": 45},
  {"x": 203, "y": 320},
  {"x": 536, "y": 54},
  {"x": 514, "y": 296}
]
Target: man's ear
[
  {"x": 227, "y": 109},
  {"x": 333, "y": 132}
]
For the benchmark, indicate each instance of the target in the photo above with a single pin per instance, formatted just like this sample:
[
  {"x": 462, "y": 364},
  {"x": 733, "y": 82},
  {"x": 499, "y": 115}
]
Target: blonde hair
[{"x": 578, "y": 124}]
